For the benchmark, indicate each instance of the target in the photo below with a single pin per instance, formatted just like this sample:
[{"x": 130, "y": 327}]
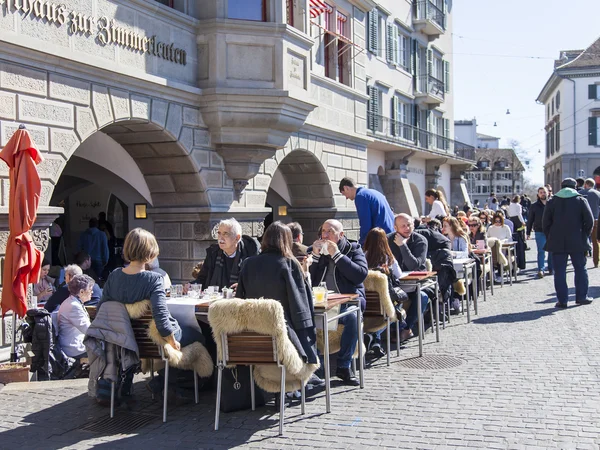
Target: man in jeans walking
[
  {"x": 536, "y": 213},
  {"x": 567, "y": 223},
  {"x": 593, "y": 198}
]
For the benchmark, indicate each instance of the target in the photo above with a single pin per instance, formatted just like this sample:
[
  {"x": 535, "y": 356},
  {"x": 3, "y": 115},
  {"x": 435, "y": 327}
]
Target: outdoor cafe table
[
  {"x": 321, "y": 314},
  {"x": 485, "y": 256},
  {"x": 421, "y": 281},
  {"x": 466, "y": 265}
]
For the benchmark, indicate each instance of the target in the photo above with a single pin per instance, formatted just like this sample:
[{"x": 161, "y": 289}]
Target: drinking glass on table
[
  {"x": 178, "y": 290},
  {"x": 320, "y": 295}
]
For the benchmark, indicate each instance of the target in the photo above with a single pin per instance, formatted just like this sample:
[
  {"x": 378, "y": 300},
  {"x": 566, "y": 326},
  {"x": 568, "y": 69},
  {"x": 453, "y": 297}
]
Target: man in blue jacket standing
[
  {"x": 94, "y": 242},
  {"x": 372, "y": 207}
]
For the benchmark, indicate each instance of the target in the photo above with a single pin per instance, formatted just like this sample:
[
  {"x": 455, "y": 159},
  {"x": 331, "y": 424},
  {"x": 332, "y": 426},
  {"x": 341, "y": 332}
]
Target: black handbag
[{"x": 235, "y": 390}]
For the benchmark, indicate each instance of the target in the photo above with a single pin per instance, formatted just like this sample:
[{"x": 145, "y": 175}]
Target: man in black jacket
[
  {"x": 567, "y": 223},
  {"x": 410, "y": 250},
  {"x": 534, "y": 221},
  {"x": 343, "y": 266},
  {"x": 62, "y": 293}
]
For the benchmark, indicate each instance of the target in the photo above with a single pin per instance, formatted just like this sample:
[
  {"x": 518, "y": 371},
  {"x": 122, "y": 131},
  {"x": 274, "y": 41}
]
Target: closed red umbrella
[{"x": 23, "y": 259}]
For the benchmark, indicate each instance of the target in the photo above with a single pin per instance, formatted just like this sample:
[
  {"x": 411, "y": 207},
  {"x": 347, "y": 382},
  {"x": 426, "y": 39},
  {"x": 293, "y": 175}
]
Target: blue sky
[{"x": 485, "y": 86}]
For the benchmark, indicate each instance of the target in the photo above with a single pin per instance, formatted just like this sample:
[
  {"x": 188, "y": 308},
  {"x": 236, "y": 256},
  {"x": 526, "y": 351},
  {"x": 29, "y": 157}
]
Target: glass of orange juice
[{"x": 320, "y": 295}]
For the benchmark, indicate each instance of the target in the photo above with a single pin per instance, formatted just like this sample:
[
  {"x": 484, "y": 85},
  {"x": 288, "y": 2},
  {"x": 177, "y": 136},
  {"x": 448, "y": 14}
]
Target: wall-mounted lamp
[
  {"x": 141, "y": 210},
  {"x": 282, "y": 210}
]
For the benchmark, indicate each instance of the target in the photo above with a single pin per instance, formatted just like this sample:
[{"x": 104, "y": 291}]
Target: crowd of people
[{"x": 285, "y": 268}]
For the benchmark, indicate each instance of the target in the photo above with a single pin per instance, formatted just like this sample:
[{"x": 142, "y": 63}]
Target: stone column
[
  {"x": 396, "y": 185},
  {"x": 458, "y": 186}
]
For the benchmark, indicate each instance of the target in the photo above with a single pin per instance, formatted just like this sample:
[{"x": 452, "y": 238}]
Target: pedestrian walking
[
  {"x": 536, "y": 214},
  {"x": 94, "y": 242},
  {"x": 567, "y": 223},
  {"x": 372, "y": 207},
  {"x": 593, "y": 198}
]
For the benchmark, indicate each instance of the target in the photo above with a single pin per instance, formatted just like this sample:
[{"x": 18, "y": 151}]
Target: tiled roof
[
  {"x": 588, "y": 58},
  {"x": 498, "y": 154}
]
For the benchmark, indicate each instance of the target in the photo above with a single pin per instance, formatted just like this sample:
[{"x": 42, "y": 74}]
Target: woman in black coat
[{"x": 276, "y": 274}]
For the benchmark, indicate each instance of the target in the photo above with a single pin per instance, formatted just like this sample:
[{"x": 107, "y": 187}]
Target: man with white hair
[
  {"x": 342, "y": 265},
  {"x": 224, "y": 259},
  {"x": 62, "y": 293}
]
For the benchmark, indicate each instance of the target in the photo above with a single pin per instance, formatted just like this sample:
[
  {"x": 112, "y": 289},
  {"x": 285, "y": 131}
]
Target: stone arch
[
  {"x": 167, "y": 140},
  {"x": 380, "y": 171},
  {"x": 558, "y": 181},
  {"x": 417, "y": 198}
]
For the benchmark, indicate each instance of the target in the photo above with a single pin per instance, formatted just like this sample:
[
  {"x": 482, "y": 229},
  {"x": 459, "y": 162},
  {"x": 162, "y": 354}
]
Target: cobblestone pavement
[{"x": 529, "y": 378}]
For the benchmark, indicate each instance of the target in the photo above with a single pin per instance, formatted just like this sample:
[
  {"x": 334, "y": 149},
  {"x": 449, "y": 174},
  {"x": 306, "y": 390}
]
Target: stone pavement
[{"x": 529, "y": 378}]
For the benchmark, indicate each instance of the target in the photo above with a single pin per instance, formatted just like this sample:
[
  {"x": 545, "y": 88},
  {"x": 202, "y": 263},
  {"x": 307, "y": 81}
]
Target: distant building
[
  {"x": 466, "y": 131},
  {"x": 498, "y": 170},
  {"x": 571, "y": 98},
  {"x": 486, "y": 141}
]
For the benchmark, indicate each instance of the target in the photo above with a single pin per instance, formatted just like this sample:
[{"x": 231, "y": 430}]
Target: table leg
[
  {"x": 466, "y": 270},
  {"x": 361, "y": 357},
  {"x": 326, "y": 361},
  {"x": 502, "y": 273},
  {"x": 510, "y": 265},
  {"x": 437, "y": 310},
  {"x": 491, "y": 277},
  {"x": 420, "y": 319},
  {"x": 484, "y": 278}
]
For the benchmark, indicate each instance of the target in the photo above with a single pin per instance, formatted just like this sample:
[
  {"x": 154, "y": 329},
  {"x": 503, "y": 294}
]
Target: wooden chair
[
  {"x": 250, "y": 349},
  {"x": 254, "y": 333},
  {"x": 149, "y": 350},
  {"x": 375, "y": 310}
]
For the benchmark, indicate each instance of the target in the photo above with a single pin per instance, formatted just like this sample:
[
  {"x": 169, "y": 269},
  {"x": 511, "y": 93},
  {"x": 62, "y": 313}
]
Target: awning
[{"x": 318, "y": 7}]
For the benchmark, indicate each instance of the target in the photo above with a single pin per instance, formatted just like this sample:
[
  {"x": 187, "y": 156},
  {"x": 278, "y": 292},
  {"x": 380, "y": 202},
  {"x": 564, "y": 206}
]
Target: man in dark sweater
[
  {"x": 534, "y": 222},
  {"x": 410, "y": 250},
  {"x": 372, "y": 207}
]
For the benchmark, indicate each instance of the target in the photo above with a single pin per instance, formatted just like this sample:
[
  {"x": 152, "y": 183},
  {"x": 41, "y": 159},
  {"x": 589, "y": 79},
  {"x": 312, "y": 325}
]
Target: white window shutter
[
  {"x": 396, "y": 48},
  {"x": 446, "y": 76}
]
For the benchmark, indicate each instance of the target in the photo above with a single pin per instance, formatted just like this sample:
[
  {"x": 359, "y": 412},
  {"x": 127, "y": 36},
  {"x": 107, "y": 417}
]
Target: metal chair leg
[
  {"x": 431, "y": 315},
  {"x": 389, "y": 341},
  {"x": 282, "y": 401},
  {"x": 166, "y": 391},
  {"x": 398, "y": 338},
  {"x": 303, "y": 399},
  {"x": 218, "y": 406},
  {"x": 152, "y": 374},
  {"x": 196, "y": 395},
  {"x": 112, "y": 399},
  {"x": 252, "y": 393}
]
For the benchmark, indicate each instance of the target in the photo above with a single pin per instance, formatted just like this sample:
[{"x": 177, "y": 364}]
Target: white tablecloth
[{"x": 183, "y": 309}]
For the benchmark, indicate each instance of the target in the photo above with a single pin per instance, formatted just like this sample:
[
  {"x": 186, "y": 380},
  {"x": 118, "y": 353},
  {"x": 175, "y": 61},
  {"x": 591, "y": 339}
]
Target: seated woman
[
  {"x": 276, "y": 274},
  {"x": 477, "y": 233},
  {"x": 44, "y": 289},
  {"x": 484, "y": 218},
  {"x": 134, "y": 284},
  {"x": 73, "y": 319},
  {"x": 380, "y": 257},
  {"x": 458, "y": 237}
]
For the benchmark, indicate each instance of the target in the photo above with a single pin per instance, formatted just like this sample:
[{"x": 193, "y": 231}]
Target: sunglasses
[
  {"x": 497, "y": 221},
  {"x": 473, "y": 224}
]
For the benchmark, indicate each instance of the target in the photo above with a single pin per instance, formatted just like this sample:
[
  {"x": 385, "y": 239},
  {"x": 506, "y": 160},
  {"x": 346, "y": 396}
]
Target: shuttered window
[
  {"x": 446, "y": 76},
  {"x": 593, "y": 131},
  {"x": 373, "y": 30},
  {"x": 593, "y": 91},
  {"x": 373, "y": 108}
]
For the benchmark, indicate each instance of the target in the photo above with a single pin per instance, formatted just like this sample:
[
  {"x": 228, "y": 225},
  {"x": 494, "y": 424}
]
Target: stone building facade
[
  {"x": 198, "y": 110},
  {"x": 571, "y": 99}
]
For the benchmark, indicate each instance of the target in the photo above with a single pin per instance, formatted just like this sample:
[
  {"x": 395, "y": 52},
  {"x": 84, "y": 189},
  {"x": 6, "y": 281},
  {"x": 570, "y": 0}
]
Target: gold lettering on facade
[{"x": 107, "y": 32}]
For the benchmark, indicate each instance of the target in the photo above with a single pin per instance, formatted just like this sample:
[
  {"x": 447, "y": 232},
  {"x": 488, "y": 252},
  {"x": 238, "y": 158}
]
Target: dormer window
[{"x": 483, "y": 164}]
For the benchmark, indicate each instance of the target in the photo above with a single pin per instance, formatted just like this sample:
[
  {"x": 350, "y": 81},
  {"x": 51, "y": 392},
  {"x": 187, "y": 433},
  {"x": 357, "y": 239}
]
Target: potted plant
[{"x": 13, "y": 372}]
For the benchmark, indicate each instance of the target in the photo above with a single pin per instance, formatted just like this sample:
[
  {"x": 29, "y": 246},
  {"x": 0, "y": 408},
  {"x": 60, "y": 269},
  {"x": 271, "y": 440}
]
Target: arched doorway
[{"x": 301, "y": 187}]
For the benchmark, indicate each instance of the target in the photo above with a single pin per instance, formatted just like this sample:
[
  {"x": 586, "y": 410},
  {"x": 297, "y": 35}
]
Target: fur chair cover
[
  {"x": 459, "y": 287},
  {"x": 191, "y": 357},
  {"x": 264, "y": 317},
  {"x": 378, "y": 282}
]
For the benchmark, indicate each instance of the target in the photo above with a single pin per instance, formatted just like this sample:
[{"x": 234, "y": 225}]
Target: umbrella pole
[{"x": 13, "y": 346}]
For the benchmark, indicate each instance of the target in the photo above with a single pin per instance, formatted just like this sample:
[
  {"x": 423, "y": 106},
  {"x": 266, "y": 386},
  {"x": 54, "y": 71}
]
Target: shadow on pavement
[{"x": 524, "y": 316}]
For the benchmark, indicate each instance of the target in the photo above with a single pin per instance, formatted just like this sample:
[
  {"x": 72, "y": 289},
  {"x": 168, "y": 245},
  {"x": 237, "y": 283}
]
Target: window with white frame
[
  {"x": 404, "y": 49},
  {"x": 402, "y": 110}
]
